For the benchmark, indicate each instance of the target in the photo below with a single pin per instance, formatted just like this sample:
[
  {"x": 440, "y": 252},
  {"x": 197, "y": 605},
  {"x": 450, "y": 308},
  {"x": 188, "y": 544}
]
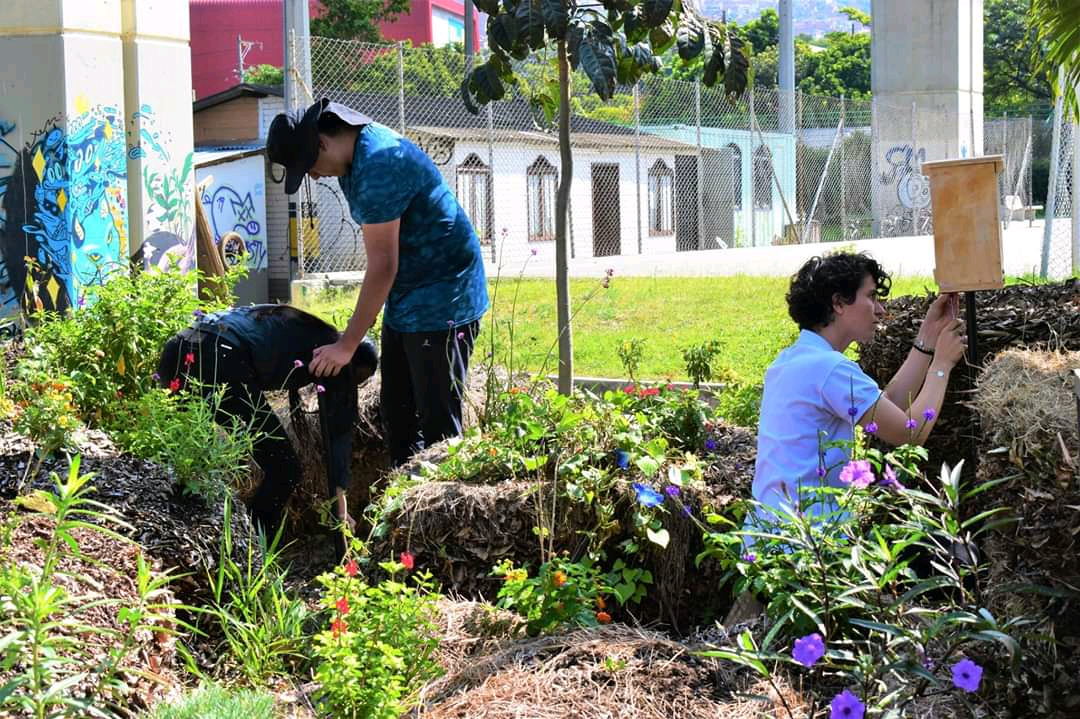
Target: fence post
[
  {"x": 401, "y": 85},
  {"x": 843, "y": 172},
  {"x": 1051, "y": 187},
  {"x": 916, "y": 166},
  {"x": 753, "y": 175},
  {"x": 637, "y": 162},
  {"x": 491, "y": 176},
  {"x": 700, "y": 174},
  {"x": 1075, "y": 187}
]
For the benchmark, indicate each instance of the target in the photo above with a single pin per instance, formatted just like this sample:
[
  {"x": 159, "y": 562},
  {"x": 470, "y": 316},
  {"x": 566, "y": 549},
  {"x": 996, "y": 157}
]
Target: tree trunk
[{"x": 562, "y": 242}]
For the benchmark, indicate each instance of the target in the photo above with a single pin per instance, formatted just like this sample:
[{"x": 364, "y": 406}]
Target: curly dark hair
[{"x": 810, "y": 296}]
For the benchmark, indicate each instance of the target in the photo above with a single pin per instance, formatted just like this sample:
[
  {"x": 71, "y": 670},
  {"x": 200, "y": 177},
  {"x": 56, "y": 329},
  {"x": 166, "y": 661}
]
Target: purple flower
[
  {"x": 809, "y": 649},
  {"x": 889, "y": 479},
  {"x": 857, "y": 473},
  {"x": 929, "y": 414},
  {"x": 821, "y": 471},
  {"x": 461, "y": 335},
  {"x": 647, "y": 496},
  {"x": 671, "y": 490},
  {"x": 851, "y": 411},
  {"x": 450, "y": 324},
  {"x": 750, "y": 558},
  {"x": 156, "y": 377},
  {"x": 198, "y": 314},
  {"x": 710, "y": 444},
  {"x": 966, "y": 675},
  {"x": 534, "y": 252},
  {"x": 911, "y": 424},
  {"x": 686, "y": 510},
  {"x": 871, "y": 428},
  {"x": 297, "y": 364},
  {"x": 319, "y": 388},
  {"x": 622, "y": 459},
  {"x": 82, "y": 301},
  {"x": 846, "y": 705}
]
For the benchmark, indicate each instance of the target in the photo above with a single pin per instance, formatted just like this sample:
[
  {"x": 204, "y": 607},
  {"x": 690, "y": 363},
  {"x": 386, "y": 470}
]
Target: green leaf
[
  {"x": 690, "y": 37},
  {"x": 647, "y": 465},
  {"x": 659, "y": 537},
  {"x": 662, "y": 37},
  {"x": 655, "y": 12},
  {"x": 530, "y": 23},
  {"x": 556, "y": 18},
  {"x": 716, "y": 65},
  {"x": 634, "y": 26},
  {"x": 502, "y": 33}
]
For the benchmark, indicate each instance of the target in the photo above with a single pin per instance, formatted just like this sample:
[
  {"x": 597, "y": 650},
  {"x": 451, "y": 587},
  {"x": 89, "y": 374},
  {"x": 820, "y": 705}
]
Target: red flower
[
  {"x": 603, "y": 617},
  {"x": 649, "y": 392},
  {"x": 628, "y": 389},
  {"x": 351, "y": 567},
  {"x": 407, "y": 560},
  {"x": 343, "y": 605},
  {"x": 174, "y": 386},
  {"x": 189, "y": 358},
  {"x": 337, "y": 626}
]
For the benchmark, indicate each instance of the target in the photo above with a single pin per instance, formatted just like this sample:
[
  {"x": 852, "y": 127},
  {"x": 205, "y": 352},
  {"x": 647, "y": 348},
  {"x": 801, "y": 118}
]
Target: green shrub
[
  {"x": 379, "y": 648},
  {"x": 211, "y": 701}
]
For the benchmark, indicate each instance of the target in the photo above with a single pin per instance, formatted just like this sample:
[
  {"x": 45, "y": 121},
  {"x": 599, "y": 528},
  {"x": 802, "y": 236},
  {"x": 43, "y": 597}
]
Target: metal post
[
  {"x": 468, "y": 36},
  {"x": 1075, "y": 183},
  {"x": 700, "y": 174},
  {"x": 1005, "y": 159},
  {"x": 1051, "y": 187},
  {"x": 916, "y": 167},
  {"x": 787, "y": 68},
  {"x": 843, "y": 174},
  {"x": 401, "y": 85},
  {"x": 491, "y": 173},
  {"x": 239, "y": 58},
  {"x": 750, "y": 205},
  {"x": 637, "y": 161}
]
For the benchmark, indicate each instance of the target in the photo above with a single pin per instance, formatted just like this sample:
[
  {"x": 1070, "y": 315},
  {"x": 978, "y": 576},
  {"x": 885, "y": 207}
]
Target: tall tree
[
  {"x": 356, "y": 19},
  {"x": 1011, "y": 82},
  {"x": 1056, "y": 26},
  {"x": 616, "y": 46}
]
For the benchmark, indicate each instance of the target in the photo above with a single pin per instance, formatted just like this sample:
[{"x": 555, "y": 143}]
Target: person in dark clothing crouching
[{"x": 249, "y": 350}]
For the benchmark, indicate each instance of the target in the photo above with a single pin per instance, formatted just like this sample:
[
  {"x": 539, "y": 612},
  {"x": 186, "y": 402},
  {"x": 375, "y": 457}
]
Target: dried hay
[
  {"x": 604, "y": 672},
  {"x": 460, "y": 530},
  {"x": 1018, "y": 316},
  {"x": 1024, "y": 405}
]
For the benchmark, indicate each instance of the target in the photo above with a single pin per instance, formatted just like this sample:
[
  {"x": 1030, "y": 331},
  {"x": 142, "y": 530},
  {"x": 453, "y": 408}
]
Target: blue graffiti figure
[{"x": 230, "y": 211}]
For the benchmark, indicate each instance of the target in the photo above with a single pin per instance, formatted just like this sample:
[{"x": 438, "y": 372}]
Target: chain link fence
[
  {"x": 665, "y": 166},
  {"x": 1060, "y": 255}
]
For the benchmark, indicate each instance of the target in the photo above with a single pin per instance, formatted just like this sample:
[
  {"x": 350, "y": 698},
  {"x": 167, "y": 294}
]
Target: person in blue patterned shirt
[{"x": 424, "y": 266}]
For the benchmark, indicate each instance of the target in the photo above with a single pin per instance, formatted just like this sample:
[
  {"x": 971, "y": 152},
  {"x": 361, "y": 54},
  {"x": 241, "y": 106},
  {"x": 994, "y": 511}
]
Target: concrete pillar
[
  {"x": 787, "y": 68},
  {"x": 158, "y": 97},
  {"x": 926, "y": 55},
  {"x": 63, "y": 174}
]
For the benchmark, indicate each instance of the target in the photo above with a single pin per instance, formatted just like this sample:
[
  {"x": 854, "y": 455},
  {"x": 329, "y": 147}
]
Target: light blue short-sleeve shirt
[
  {"x": 810, "y": 390},
  {"x": 440, "y": 280}
]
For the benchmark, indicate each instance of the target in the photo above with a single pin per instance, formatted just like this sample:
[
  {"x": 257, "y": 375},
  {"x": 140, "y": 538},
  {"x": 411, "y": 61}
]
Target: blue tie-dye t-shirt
[{"x": 440, "y": 278}]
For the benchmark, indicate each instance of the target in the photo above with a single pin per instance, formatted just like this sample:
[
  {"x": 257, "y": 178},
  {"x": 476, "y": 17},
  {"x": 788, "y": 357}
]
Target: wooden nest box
[{"x": 967, "y": 226}]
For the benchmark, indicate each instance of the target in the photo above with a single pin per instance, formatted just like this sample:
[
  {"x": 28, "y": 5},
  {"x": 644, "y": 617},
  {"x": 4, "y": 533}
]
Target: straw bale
[{"x": 603, "y": 672}]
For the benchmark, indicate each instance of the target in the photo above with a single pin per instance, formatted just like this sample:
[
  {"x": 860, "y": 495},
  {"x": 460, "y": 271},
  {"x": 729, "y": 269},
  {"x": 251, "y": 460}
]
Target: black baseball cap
[{"x": 293, "y": 139}]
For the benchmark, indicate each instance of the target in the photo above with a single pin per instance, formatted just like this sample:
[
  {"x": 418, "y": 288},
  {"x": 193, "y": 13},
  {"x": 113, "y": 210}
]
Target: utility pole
[
  {"x": 787, "y": 68},
  {"x": 297, "y": 42},
  {"x": 468, "y": 36}
]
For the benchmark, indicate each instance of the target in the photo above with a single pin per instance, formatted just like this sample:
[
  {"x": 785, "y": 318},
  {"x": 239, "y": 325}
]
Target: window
[
  {"x": 446, "y": 27},
  {"x": 474, "y": 195},
  {"x": 541, "y": 196},
  {"x": 763, "y": 171},
  {"x": 661, "y": 193},
  {"x": 736, "y": 174}
]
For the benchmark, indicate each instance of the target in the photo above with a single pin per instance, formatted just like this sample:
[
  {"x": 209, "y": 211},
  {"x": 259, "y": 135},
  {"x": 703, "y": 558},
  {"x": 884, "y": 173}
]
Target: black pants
[{"x": 423, "y": 384}]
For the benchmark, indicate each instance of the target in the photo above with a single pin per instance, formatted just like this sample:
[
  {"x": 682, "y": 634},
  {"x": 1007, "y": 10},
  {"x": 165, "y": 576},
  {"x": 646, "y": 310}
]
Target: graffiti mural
[
  {"x": 912, "y": 187},
  {"x": 63, "y": 215},
  {"x": 232, "y": 210},
  {"x": 235, "y": 202},
  {"x": 168, "y": 212}
]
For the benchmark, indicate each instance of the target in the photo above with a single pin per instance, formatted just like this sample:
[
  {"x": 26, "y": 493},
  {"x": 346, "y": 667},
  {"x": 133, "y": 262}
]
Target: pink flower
[
  {"x": 343, "y": 605},
  {"x": 189, "y": 358},
  {"x": 297, "y": 364},
  {"x": 319, "y": 388},
  {"x": 461, "y": 335},
  {"x": 857, "y": 473},
  {"x": 174, "y": 386},
  {"x": 351, "y": 567},
  {"x": 408, "y": 561},
  {"x": 888, "y": 479},
  {"x": 337, "y": 626}
]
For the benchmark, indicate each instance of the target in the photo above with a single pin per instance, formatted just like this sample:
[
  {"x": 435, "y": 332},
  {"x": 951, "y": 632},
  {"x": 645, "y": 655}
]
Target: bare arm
[
  {"x": 381, "y": 244},
  {"x": 908, "y": 380}
]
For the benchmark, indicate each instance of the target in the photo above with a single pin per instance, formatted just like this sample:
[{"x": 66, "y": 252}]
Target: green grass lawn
[{"x": 747, "y": 314}]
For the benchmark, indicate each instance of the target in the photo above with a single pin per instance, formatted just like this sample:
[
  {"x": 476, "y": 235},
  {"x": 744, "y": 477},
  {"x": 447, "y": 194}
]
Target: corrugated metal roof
[{"x": 207, "y": 156}]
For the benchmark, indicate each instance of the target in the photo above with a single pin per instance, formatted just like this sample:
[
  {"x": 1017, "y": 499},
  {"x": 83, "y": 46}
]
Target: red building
[{"x": 217, "y": 26}]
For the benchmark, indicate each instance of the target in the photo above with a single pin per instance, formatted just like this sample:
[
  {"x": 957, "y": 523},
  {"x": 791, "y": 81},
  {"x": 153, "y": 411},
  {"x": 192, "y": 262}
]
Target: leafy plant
[
  {"x": 213, "y": 701},
  {"x": 699, "y": 360},
  {"x": 379, "y": 648},
  {"x": 44, "y": 411},
  {"x": 630, "y": 351},
  {"x": 180, "y": 431},
  {"x": 562, "y": 593},
  {"x": 740, "y": 403},
  {"x": 58, "y": 663},
  {"x": 263, "y": 627}
]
